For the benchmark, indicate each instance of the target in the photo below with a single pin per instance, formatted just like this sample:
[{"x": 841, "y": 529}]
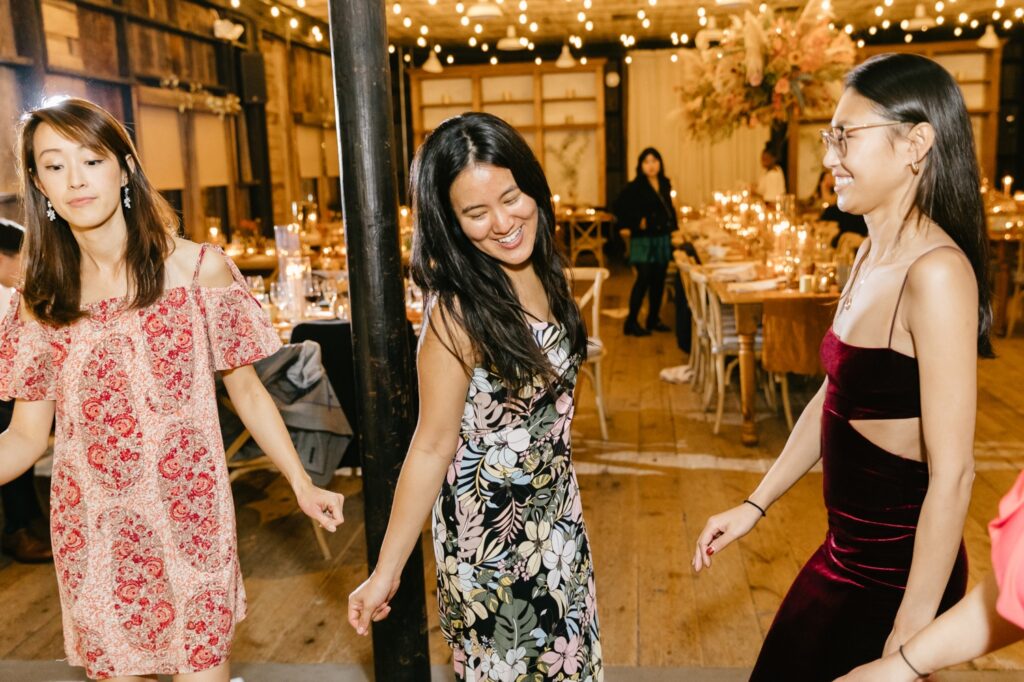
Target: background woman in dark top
[{"x": 645, "y": 207}]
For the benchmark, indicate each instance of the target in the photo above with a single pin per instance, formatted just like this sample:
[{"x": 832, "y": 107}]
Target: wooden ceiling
[{"x": 556, "y": 20}]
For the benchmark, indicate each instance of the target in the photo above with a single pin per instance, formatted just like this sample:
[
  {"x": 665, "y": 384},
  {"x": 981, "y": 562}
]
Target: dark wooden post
[{"x": 383, "y": 358}]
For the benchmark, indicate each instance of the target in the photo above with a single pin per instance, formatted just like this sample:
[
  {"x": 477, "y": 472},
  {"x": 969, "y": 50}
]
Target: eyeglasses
[{"x": 835, "y": 138}]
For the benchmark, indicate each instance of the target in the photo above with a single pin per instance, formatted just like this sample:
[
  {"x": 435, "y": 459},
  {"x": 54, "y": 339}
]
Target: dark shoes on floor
[
  {"x": 26, "y": 548},
  {"x": 659, "y": 327},
  {"x": 633, "y": 328}
]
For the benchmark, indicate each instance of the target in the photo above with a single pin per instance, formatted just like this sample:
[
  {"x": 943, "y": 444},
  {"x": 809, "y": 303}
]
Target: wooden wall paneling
[
  {"x": 98, "y": 33},
  {"x": 8, "y": 48},
  {"x": 193, "y": 17},
  {"x": 279, "y": 127},
  {"x": 602, "y": 191},
  {"x": 10, "y": 110},
  {"x": 63, "y": 43}
]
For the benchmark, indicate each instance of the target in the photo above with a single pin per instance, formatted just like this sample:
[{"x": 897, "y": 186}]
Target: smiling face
[
  {"x": 83, "y": 185},
  {"x": 874, "y": 171},
  {"x": 498, "y": 217}
]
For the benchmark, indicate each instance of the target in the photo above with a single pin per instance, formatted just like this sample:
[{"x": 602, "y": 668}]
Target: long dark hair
[
  {"x": 664, "y": 184},
  {"x": 53, "y": 283},
  {"x": 470, "y": 286},
  {"x": 914, "y": 89}
]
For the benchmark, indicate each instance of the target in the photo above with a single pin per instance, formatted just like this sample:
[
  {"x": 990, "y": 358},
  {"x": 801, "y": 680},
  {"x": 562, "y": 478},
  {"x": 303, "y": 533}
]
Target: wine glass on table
[
  {"x": 311, "y": 291},
  {"x": 329, "y": 289},
  {"x": 257, "y": 288}
]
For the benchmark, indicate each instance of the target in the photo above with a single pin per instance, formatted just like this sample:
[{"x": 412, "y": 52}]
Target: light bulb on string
[
  {"x": 958, "y": 31},
  {"x": 472, "y": 41},
  {"x": 878, "y": 11},
  {"x": 301, "y": 4},
  {"x": 396, "y": 8},
  {"x": 590, "y": 25},
  {"x": 478, "y": 29},
  {"x": 873, "y": 30},
  {"x": 437, "y": 49},
  {"x": 940, "y": 20},
  {"x": 464, "y": 20},
  {"x": 908, "y": 38},
  {"x": 236, "y": 3},
  {"x": 494, "y": 60},
  {"x": 533, "y": 27},
  {"x": 583, "y": 61},
  {"x": 421, "y": 41},
  {"x": 450, "y": 59},
  {"x": 460, "y": 8},
  {"x": 484, "y": 47},
  {"x": 996, "y": 15},
  {"x": 424, "y": 30},
  {"x": 684, "y": 39},
  {"x": 523, "y": 19},
  {"x": 974, "y": 23},
  {"x": 885, "y": 25},
  {"x": 275, "y": 11},
  {"x": 293, "y": 22},
  {"x": 407, "y": 22}
]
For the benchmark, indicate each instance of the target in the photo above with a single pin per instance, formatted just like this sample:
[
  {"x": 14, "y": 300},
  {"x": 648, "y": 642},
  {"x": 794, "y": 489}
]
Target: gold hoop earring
[{"x": 915, "y": 167}]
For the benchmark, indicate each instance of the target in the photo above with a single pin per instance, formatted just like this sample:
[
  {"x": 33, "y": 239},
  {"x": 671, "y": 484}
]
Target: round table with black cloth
[{"x": 335, "y": 339}]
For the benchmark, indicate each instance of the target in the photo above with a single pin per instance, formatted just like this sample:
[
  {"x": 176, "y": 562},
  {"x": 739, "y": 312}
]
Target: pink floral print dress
[{"x": 141, "y": 513}]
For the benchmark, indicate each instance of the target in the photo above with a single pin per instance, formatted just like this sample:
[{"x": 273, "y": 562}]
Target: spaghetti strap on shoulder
[
  {"x": 199, "y": 263},
  {"x": 903, "y": 286}
]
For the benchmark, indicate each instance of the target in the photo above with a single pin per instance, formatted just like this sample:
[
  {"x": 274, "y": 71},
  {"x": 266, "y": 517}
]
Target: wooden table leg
[{"x": 747, "y": 317}]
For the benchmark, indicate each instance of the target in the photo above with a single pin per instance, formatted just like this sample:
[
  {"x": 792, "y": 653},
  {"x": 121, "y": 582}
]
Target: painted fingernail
[{"x": 711, "y": 550}]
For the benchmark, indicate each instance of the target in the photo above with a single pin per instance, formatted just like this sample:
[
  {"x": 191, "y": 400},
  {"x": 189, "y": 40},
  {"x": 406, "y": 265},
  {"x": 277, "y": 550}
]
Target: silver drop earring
[
  {"x": 50, "y": 213},
  {"x": 127, "y": 199}
]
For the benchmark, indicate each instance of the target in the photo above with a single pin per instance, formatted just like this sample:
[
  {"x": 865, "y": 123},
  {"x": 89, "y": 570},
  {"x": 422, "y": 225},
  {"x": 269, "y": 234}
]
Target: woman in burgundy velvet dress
[{"x": 893, "y": 423}]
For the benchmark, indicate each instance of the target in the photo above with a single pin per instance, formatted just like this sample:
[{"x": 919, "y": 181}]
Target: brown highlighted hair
[{"x": 53, "y": 284}]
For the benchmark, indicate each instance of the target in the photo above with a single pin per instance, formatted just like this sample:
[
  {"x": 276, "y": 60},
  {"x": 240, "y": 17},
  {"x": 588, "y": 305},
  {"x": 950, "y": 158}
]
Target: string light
[
  {"x": 909, "y": 37},
  {"x": 684, "y": 39},
  {"x": 958, "y": 31},
  {"x": 873, "y": 30},
  {"x": 974, "y": 23},
  {"x": 583, "y": 61},
  {"x": 494, "y": 60},
  {"x": 450, "y": 59},
  {"x": 460, "y": 8},
  {"x": 437, "y": 49},
  {"x": 674, "y": 58},
  {"x": 275, "y": 11},
  {"x": 472, "y": 41},
  {"x": 484, "y": 47},
  {"x": 464, "y": 20},
  {"x": 478, "y": 29},
  {"x": 533, "y": 27},
  {"x": 407, "y": 22},
  {"x": 424, "y": 30},
  {"x": 236, "y": 3},
  {"x": 629, "y": 59},
  {"x": 878, "y": 11},
  {"x": 538, "y": 61},
  {"x": 294, "y": 23},
  {"x": 396, "y": 8},
  {"x": 301, "y": 4},
  {"x": 421, "y": 41},
  {"x": 886, "y": 25},
  {"x": 391, "y": 49}
]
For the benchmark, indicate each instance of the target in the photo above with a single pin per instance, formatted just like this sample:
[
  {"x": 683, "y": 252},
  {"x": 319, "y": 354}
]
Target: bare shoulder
[
  {"x": 943, "y": 271},
  {"x": 443, "y": 328},
  {"x": 214, "y": 271}
]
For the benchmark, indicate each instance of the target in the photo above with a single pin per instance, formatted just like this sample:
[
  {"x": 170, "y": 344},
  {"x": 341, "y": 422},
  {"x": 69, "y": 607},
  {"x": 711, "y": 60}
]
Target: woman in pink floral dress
[{"x": 118, "y": 331}]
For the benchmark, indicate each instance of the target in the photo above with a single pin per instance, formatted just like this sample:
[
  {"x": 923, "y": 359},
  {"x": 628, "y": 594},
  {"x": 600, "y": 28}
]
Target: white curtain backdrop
[{"x": 655, "y": 119}]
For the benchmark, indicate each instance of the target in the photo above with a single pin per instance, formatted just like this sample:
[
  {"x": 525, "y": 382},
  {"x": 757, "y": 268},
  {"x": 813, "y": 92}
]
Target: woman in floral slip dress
[
  {"x": 497, "y": 367},
  {"x": 118, "y": 331}
]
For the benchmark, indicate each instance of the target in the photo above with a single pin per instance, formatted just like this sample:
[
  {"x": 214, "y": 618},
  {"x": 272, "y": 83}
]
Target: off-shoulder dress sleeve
[{"x": 31, "y": 355}]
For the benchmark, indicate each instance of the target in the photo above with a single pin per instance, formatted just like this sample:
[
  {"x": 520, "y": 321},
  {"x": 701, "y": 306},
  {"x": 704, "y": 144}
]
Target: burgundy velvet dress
[{"x": 840, "y": 610}]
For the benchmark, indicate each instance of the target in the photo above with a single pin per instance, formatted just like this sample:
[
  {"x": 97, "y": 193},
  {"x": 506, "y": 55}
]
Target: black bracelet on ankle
[
  {"x": 909, "y": 664},
  {"x": 755, "y": 506}
]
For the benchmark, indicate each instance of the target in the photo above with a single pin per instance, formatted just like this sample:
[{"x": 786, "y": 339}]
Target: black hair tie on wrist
[
  {"x": 756, "y": 506},
  {"x": 909, "y": 664}
]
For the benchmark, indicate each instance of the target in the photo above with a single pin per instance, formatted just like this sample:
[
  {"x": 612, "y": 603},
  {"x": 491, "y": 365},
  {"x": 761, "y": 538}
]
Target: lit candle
[{"x": 1007, "y": 184}]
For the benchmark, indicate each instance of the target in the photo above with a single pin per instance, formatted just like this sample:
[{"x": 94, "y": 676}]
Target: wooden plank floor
[{"x": 646, "y": 493}]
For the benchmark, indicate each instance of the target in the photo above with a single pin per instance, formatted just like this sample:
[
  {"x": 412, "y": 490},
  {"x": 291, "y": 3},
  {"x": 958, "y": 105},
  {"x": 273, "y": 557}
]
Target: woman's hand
[
  {"x": 888, "y": 669},
  {"x": 721, "y": 530},
  {"x": 371, "y": 602},
  {"x": 323, "y": 506}
]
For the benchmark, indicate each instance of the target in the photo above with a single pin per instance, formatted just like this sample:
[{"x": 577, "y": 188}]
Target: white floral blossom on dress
[{"x": 559, "y": 558}]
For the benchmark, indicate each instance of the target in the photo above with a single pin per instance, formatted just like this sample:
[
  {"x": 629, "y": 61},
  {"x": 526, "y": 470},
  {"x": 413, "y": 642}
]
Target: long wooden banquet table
[{"x": 748, "y": 307}]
